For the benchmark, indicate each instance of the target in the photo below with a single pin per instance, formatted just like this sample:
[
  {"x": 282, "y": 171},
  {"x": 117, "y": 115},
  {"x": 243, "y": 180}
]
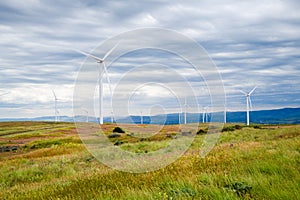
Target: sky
[{"x": 252, "y": 43}]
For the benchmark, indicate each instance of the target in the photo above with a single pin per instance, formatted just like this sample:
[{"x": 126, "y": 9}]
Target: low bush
[
  {"x": 118, "y": 130},
  {"x": 228, "y": 128},
  {"x": 201, "y": 132},
  {"x": 240, "y": 188}
]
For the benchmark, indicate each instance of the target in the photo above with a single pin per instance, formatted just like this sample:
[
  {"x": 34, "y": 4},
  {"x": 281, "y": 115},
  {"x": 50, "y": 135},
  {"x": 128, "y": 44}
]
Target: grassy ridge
[{"x": 247, "y": 163}]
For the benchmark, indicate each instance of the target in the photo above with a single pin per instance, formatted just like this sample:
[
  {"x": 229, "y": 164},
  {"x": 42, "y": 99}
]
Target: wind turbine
[
  {"x": 225, "y": 113},
  {"x": 111, "y": 117},
  {"x": 56, "y": 112},
  {"x": 185, "y": 110},
  {"x": 248, "y": 103},
  {"x": 142, "y": 121},
  {"x": 87, "y": 115},
  {"x": 57, "y": 115},
  {"x": 101, "y": 61},
  {"x": 204, "y": 114}
]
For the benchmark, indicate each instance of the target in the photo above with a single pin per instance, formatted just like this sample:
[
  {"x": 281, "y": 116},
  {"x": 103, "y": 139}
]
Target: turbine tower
[
  {"x": 225, "y": 113},
  {"x": 185, "y": 110},
  {"x": 87, "y": 115},
  {"x": 248, "y": 103},
  {"x": 101, "y": 61},
  {"x": 57, "y": 115},
  {"x": 204, "y": 114},
  {"x": 56, "y": 112},
  {"x": 142, "y": 121}
]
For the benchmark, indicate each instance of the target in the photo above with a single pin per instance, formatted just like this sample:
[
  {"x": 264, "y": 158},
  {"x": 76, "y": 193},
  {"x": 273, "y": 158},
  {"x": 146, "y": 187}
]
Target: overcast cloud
[{"x": 251, "y": 42}]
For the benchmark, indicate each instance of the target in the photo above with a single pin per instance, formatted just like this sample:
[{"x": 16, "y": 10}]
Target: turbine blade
[
  {"x": 252, "y": 90},
  {"x": 90, "y": 55},
  {"x": 109, "y": 52},
  {"x": 250, "y": 102},
  {"x": 54, "y": 95},
  {"x": 85, "y": 110},
  {"x": 243, "y": 92},
  {"x": 4, "y": 94}
]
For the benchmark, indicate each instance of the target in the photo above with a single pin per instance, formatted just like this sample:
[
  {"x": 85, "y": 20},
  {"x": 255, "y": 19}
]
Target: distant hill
[{"x": 278, "y": 116}]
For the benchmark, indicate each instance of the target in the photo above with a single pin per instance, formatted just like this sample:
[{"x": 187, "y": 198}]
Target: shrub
[
  {"x": 181, "y": 192},
  {"x": 238, "y": 127},
  {"x": 118, "y": 130},
  {"x": 240, "y": 188},
  {"x": 201, "y": 132},
  {"x": 232, "y": 128},
  {"x": 256, "y": 127},
  {"x": 228, "y": 128},
  {"x": 118, "y": 143}
]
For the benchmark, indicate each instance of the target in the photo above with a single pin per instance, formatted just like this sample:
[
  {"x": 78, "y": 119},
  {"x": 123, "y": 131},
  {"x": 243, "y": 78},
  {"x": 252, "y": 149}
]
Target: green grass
[{"x": 247, "y": 163}]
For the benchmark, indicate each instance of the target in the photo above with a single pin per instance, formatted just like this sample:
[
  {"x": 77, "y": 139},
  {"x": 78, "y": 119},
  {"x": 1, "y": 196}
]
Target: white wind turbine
[
  {"x": 142, "y": 120},
  {"x": 101, "y": 61},
  {"x": 248, "y": 103},
  {"x": 205, "y": 114},
  {"x": 57, "y": 115},
  {"x": 225, "y": 113},
  {"x": 87, "y": 115},
  {"x": 185, "y": 110},
  {"x": 56, "y": 112},
  {"x": 112, "y": 117}
]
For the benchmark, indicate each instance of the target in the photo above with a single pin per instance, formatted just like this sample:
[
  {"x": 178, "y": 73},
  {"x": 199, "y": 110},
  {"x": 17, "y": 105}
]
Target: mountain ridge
[{"x": 273, "y": 116}]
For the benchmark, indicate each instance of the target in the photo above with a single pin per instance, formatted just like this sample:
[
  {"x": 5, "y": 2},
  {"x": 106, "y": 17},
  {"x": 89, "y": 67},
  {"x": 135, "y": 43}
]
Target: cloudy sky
[{"x": 251, "y": 42}]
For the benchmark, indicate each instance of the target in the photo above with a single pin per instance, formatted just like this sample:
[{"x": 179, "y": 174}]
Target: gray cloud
[{"x": 252, "y": 43}]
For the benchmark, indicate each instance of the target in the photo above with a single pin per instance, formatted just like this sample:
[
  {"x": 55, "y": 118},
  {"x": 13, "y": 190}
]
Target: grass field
[{"x": 47, "y": 160}]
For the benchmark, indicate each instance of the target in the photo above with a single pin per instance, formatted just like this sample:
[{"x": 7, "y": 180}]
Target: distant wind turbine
[
  {"x": 101, "y": 61},
  {"x": 57, "y": 115},
  {"x": 204, "y": 114},
  {"x": 87, "y": 115},
  {"x": 142, "y": 121},
  {"x": 185, "y": 110},
  {"x": 56, "y": 112},
  {"x": 248, "y": 103},
  {"x": 112, "y": 117},
  {"x": 225, "y": 113}
]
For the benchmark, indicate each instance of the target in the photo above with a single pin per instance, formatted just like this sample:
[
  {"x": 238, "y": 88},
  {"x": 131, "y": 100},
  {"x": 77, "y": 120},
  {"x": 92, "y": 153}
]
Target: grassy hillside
[{"x": 46, "y": 160}]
